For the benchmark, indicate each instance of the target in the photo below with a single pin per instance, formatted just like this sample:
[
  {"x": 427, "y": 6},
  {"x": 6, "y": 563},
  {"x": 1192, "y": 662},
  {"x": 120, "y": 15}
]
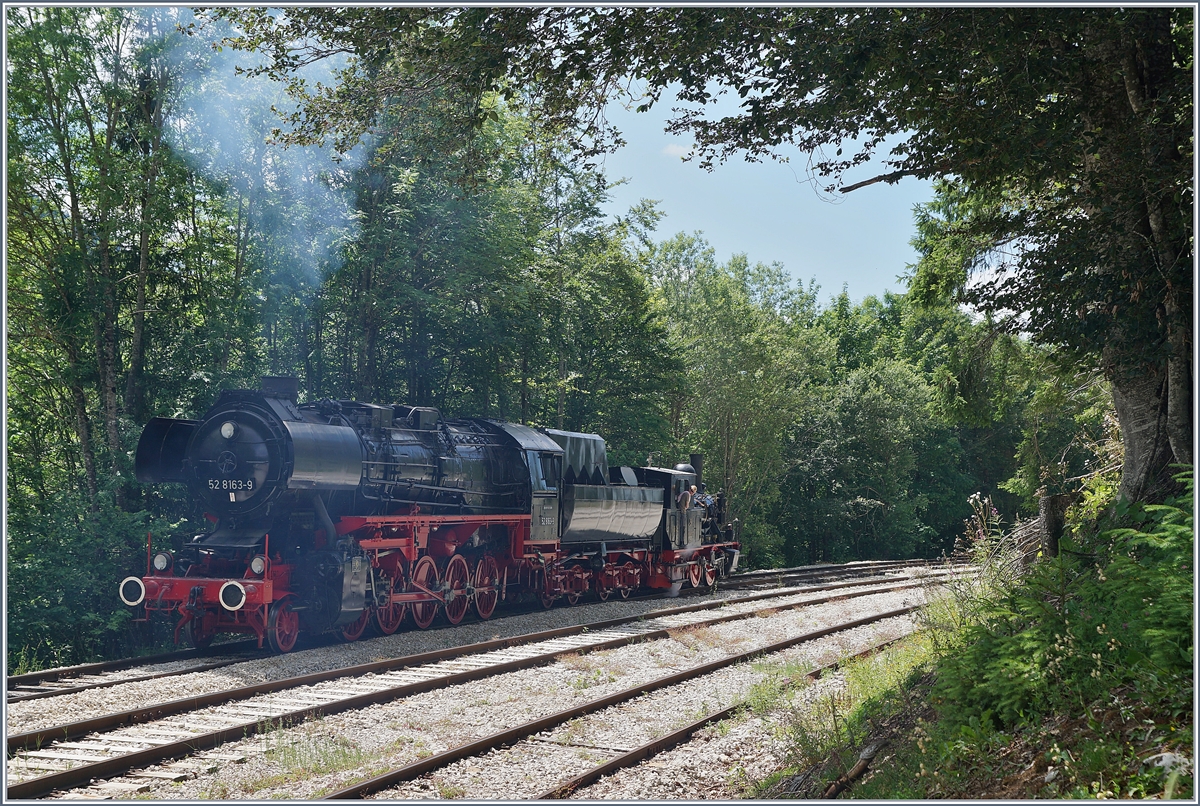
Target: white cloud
[{"x": 676, "y": 150}]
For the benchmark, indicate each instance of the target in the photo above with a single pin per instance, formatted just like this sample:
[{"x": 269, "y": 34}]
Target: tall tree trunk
[
  {"x": 525, "y": 385},
  {"x": 562, "y": 387},
  {"x": 1153, "y": 400},
  {"x": 108, "y": 364},
  {"x": 1179, "y": 384},
  {"x": 1140, "y": 397},
  {"x": 154, "y": 88},
  {"x": 83, "y": 432}
]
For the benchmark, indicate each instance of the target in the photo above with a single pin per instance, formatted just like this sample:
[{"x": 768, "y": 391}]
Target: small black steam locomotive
[{"x": 333, "y": 515}]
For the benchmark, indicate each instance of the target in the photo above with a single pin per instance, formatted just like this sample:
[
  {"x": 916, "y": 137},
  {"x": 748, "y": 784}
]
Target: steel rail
[
  {"x": 107, "y": 767},
  {"x": 18, "y": 695},
  {"x": 25, "y": 696},
  {"x": 33, "y": 678},
  {"x": 653, "y": 748},
  {"x": 785, "y": 577},
  {"x": 37, "y": 738},
  {"x": 857, "y": 565},
  {"x": 422, "y": 766}
]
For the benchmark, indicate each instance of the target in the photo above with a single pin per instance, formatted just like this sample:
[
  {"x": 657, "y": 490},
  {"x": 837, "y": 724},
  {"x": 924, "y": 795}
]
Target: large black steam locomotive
[{"x": 329, "y": 516}]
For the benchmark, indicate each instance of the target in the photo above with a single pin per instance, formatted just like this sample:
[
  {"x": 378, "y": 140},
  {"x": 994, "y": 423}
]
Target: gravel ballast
[{"x": 333, "y": 752}]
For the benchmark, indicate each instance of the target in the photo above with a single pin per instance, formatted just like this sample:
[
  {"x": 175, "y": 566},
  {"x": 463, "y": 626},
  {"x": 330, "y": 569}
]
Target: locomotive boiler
[{"x": 334, "y": 515}]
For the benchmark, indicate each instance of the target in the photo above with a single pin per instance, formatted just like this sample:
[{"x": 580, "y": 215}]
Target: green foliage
[
  {"x": 1084, "y": 624},
  {"x": 753, "y": 362},
  {"x": 882, "y": 464},
  {"x": 1071, "y": 682},
  {"x": 161, "y": 250},
  {"x": 1061, "y": 138},
  {"x": 64, "y": 564}
]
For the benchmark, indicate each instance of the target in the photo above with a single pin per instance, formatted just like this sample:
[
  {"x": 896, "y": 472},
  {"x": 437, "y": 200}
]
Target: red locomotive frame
[{"x": 416, "y": 559}]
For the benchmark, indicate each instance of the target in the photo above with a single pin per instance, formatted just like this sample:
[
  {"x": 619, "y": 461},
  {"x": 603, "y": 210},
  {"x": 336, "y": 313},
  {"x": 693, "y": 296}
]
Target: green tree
[
  {"x": 118, "y": 275},
  {"x": 1074, "y": 123},
  {"x": 753, "y": 362}
]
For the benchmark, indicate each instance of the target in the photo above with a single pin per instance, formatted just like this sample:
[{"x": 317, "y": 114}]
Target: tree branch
[{"x": 889, "y": 178}]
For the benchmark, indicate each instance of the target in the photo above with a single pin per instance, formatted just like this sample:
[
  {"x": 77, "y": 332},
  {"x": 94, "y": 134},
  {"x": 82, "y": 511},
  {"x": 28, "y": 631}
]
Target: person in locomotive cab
[{"x": 684, "y": 499}]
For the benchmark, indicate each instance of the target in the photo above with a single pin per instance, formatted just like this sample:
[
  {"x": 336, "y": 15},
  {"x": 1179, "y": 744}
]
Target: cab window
[{"x": 544, "y": 470}]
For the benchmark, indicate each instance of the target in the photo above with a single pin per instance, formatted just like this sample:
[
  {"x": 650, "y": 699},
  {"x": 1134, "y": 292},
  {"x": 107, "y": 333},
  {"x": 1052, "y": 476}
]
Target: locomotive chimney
[
  {"x": 697, "y": 461},
  {"x": 281, "y": 386}
]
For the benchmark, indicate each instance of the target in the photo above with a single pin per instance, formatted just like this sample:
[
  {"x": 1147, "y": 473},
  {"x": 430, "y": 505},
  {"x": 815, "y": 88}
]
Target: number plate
[{"x": 231, "y": 484}]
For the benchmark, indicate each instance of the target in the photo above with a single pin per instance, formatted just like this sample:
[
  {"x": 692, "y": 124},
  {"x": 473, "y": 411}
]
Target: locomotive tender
[{"x": 328, "y": 516}]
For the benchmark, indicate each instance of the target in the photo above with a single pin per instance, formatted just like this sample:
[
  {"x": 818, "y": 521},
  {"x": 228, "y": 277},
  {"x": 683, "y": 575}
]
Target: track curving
[
  {"x": 94, "y": 755},
  {"x": 75, "y": 679}
]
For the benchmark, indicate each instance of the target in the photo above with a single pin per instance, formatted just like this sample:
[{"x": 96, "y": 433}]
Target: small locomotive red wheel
[
  {"x": 355, "y": 629},
  {"x": 695, "y": 574},
  {"x": 710, "y": 573},
  {"x": 198, "y": 633},
  {"x": 425, "y": 574},
  {"x": 283, "y": 627},
  {"x": 547, "y": 599},
  {"x": 604, "y": 593},
  {"x": 627, "y": 581},
  {"x": 389, "y": 617},
  {"x": 573, "y": 598},
  {"x": 487, "y": 575},
  {"x": 457, "y": 579}
]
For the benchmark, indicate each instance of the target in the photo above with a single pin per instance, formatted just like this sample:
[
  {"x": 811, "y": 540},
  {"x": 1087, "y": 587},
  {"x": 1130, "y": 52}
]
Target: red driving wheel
[
  {"x": 487, "y": 582},
  {"x": 425, "y": 578},
  {"x": 457, "y": 579},
  {"x": 627, "y": 582},
  {"x": 389, "y": 617},
  {"x": 355, "y": 629}
]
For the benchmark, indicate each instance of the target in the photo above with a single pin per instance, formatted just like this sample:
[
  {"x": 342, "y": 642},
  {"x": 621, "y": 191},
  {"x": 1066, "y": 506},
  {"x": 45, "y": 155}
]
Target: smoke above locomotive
[{"x": 337, "y": 514}]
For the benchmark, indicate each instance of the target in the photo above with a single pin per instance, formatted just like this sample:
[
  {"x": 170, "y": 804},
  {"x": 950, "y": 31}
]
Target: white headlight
[
  {"x": 228, "y": 430},
  {"x": 162, "y": 561},
  {"x": 258, "y": 564}
]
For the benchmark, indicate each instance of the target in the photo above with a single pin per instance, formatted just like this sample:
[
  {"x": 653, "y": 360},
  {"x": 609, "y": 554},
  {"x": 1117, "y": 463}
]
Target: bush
[{"x": 1083, "y": 624}]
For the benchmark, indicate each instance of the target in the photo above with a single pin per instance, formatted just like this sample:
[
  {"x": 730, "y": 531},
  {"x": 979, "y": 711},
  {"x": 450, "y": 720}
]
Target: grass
[
  {"x": 694, "y": 636},
  {"x": 300, "y": 758},
  {"x": 301, "y": 753},
  {"x": 1072, "y": 680}
]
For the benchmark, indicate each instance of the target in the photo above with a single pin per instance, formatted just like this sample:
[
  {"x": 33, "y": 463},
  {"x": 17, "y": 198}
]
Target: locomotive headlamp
[
  {"x": 228, "y": 429},
  {"x": 258, "y": 564},
  {"x": 163, "y": 560}
]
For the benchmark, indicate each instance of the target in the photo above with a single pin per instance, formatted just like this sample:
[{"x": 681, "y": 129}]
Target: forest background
[{"x": 171, "y": 235}]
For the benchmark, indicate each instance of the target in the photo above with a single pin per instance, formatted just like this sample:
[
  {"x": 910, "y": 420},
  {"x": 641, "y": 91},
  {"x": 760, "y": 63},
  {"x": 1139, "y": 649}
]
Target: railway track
[
  {"x": 619, "y": 759},
  {"x": 56, "y": 682},
  {"x": 70, "y": 755},
  {"x": 88, "y": 681}
]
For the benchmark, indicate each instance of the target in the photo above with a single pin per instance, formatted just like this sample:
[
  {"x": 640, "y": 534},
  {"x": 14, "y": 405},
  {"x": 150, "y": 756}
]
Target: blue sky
[{"x": 768, "y": 210}]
